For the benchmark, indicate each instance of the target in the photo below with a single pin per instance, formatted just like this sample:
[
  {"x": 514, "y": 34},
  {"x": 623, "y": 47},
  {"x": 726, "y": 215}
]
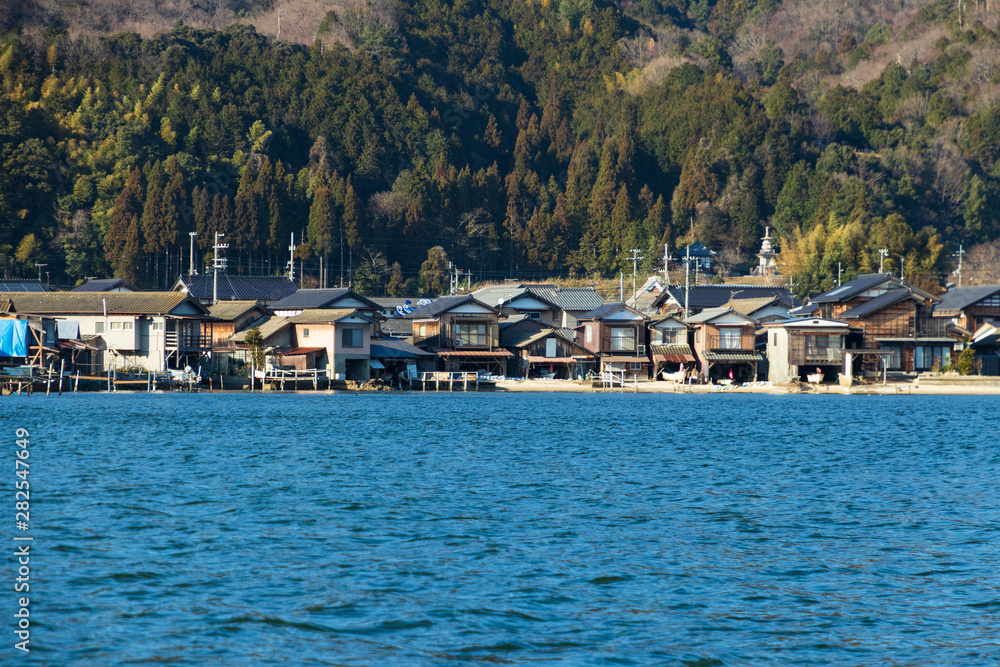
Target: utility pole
[
  {"x": 961, "y": 251},
  {"x": 291, "y": 260},
  {"x": 191, "y": 270},
  {"x": 621, "y": 286},
  {"x": 217, "y": 263},
  {"x": 882, "y": 253},
  {"x": 39, "y": 267},
  {"x": 687, "y": 283},
  {"x": 451, "y": 279},
  {"x": 666, "y": 264},
  {"x": 902, "y": 263},
  {"x": 635, "y": 258},
  {"x": 838, "y": 274}
]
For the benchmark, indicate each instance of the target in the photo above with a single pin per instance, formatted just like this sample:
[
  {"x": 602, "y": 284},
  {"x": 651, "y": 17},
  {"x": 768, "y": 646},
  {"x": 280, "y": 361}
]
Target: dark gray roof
[
  {"x": 22, "y": 285},
  {"x": 713, "y": 296},
  {"x": 863, "y": 282},
  {"x": 393, "y": 348},
  {"x": 117, "y": 303},
  {"x": 878, "y": 303},
  {"x": 960, "y": 298},
  {"x": 238, "y": 288},
  {"x": 698, "y": 249},
  {"x": 572, "y": 298},
  {"x": 321, "y": 298},
  {"x": 397, "y": 327},
  {"x": 105, "y": 285},
  {"x": 444, "y": 304}
]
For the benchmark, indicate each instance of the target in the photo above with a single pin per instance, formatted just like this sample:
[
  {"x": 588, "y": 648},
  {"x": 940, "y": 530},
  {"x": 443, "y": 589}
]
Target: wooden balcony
[
  {"x": 727, "y": 344},
  {"x": 185, "y": 341}
]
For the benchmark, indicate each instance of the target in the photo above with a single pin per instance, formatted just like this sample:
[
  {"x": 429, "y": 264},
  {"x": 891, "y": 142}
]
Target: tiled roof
[
  {"x": 732, "y": 357},
  {"x": 878, "y": 303},
  {"x": 751, "y": 306},
  {"x": 393, "y": 348},
  {"x": 22, "y": 285},
  {"x": 239, "y": 288},
  {"x": 118, "y": 303},
  {"x": 105, "y": 285},
  {"x": 230, "y": 310},
  {"x": 711, "y": 313},
  {"x": 323, "y": 315},
  {"x": 713, "y": 296},
  {"x": 268, "y": 328},
  {"x": 397, "y": 327},
  {"x": 572, "y": 298},
  {"x": 605, "y": 309},
  {"x": 475, "y": 354},
  {"x": 321, "y": 298},
  {"x": 959, "y": 298}
]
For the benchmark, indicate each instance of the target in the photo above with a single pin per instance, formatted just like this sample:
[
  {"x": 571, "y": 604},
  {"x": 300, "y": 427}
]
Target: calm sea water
[{"x": 509, "y": 529}]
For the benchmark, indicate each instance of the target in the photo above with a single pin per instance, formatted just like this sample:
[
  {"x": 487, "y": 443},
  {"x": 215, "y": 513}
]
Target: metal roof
[
  {"x": 105, "y": 285},
  {"x": 863, "y": 282},
  {"x": 732, "y": 357},
  {"x": 321, "y": 298},
  {"x": 393, "y": 348},
  {"x": 237, "y": 288},
  {"x": 444, "y": 304},
  {"x": 22, "y": 285},
  {"x": 474, "y": 354},
  {"x": 302, "y": 350},
  {"x": 879, "y": 302},
  {"x": 960, "y": 298},
  {"x": 118, "y": 303}
]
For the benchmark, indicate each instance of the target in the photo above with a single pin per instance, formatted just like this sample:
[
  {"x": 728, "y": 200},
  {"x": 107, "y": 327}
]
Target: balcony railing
[
  {"x": 618, "y": 345},
  {"x": 729, "y": 343},
  {"x": 186, "y": 341}
]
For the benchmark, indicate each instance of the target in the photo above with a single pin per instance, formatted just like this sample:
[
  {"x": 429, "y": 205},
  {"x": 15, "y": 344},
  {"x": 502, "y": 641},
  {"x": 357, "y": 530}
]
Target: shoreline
[{"x": 894, "y": 388}]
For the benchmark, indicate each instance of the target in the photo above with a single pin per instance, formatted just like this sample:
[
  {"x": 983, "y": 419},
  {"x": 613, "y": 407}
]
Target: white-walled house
[{"x": 151, "y": 330}]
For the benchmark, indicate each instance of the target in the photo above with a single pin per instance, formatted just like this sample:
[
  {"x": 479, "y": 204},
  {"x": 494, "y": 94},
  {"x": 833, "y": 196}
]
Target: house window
[
  {"x": 622, "y": 338},
  {"x": 697, "y": 335},
  {"x": 157, "y": 326},
  {"x": 729, "y": 338},
  {"x": 634, "y": 366},
  {"x": 423, "y": 330},
  {"x": 472, "y": 334},
  {"x": 351, "y": 337},
  {"x": 816, "y": 346},
  {"x": 590, "y": 334},
  {"x": 894, "y": 360},
  {"x": 926, "y": 356},
  {"x": 305, "y": 333},
  {"x": 121, "y": 326},
  {"x": 534, "y": 315},
  {"x": 99, "y": 327}
]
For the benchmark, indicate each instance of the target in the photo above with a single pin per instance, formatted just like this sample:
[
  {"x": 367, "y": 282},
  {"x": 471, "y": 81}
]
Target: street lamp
[{"x": 883, "y": 253}]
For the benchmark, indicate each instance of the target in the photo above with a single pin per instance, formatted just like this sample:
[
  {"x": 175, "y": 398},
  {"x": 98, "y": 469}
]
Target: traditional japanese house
[
  {"x": 724, "y": 343},
  {"x": 573, "y": 303},
  {"x": 543, "y": 351},
  {"x": 970, "y": 307},
  {"x": 803, "y": 347},
  {"x": 344, "y": 333},
  {"x": 646, "y": 295},
  {"x": 234, "y": 316},
  {"x": 762, "y": 309},
  {"x": 617, "y": 334},
  {"x": 520, "y": 301},
  {"x": 106, "y": 285},
  {"x": 986, "y": 345},
  {"x": 669, "y": 344},
  {"x": 150, "y": 330},
  {"x": 463, "y": 332},
  {"x": 397, "y": 362}
]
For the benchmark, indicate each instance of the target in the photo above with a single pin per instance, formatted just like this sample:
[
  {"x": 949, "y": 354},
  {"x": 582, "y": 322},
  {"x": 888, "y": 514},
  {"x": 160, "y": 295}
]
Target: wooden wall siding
[
  {"x": 563, "y": 348},
  {"x": 797, "y": 351},
  {"x": 974, "y": 317},
  {"x": 431, "y": 331},
  {"x": 896, "y": 321}
]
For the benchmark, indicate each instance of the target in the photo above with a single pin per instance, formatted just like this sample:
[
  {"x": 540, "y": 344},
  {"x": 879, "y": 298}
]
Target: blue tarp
[{"x": 13, "y": 338}]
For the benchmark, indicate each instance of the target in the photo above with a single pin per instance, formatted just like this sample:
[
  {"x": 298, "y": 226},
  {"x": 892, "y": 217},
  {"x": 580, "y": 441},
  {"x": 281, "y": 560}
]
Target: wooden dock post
[
  {"x": 465, "y": 382},
  {"x": 76, "y": 384},
  {"x": 48, "y": 381},
  {"x": 315, "y": 381},
  {"x": 62, "y": 369}
]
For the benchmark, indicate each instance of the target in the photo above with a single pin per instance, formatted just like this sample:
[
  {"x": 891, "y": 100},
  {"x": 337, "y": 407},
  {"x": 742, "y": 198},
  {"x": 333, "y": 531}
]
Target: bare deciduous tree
[{"x": 981, "y": 265}]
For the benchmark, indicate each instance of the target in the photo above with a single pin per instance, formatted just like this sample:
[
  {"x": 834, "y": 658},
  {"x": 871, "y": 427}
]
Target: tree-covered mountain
[{"x": 516, "y": 139}]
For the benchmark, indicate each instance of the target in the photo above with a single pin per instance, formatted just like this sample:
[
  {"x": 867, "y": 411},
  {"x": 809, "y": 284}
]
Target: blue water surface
[{"x": 446, "y": 529}]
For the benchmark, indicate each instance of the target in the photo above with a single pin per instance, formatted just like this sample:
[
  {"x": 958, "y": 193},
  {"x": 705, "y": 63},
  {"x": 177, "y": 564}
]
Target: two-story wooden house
[
  {"x": 339, "y": 340},
  {"x": 725, "y": 344},
  {"x": 464, "y": 333},
  {"x": 616, "y": 333},
  {"x": 543, "y": 351},
  {"x": 669, "y": 346},
  {"x": 151, "y": 330},
  {"x": 801, "y": 347},
  {"x": 970, "y": 307}
]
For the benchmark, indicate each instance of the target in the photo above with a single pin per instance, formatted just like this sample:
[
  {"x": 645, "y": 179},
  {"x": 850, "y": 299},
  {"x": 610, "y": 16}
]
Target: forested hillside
[{"x": 516, "y": 139}]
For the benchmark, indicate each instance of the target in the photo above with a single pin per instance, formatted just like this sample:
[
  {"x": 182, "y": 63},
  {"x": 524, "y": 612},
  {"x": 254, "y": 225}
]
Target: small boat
[{"x": 815, "y": 378}]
